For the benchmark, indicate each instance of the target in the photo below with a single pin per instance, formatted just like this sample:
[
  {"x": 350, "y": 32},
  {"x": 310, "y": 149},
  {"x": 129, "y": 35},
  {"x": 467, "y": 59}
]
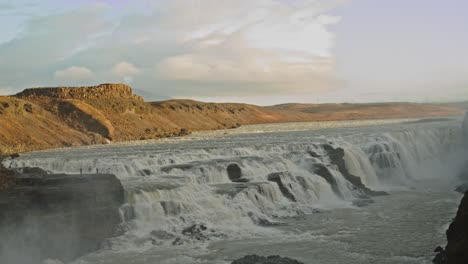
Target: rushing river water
[{"x": 292, "y": 199}]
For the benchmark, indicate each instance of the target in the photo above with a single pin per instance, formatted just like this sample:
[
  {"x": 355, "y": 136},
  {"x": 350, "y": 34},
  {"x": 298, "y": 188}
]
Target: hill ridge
[{"x": 51, "y": 117}]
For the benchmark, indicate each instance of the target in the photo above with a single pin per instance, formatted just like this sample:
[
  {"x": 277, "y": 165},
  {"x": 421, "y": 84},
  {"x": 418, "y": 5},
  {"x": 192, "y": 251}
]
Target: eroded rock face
[
  {"x": 337, "y": 158},
  {"x": 276, "y": 178},
  {"x": 102, "y": 91},
  {"x": 456, "y": 251},
  {"x": 324, "y": 172},
  {"x": 57, "y": 216},
  {"x": 254, "y": 259}
]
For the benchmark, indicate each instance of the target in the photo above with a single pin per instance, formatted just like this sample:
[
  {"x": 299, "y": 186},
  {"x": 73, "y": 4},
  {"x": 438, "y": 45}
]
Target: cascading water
[{"x": 234, "y": 184}]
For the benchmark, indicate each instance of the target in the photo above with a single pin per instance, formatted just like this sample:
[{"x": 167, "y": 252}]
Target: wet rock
[
  {"x": 197, "y": 232},
  {"x": 457, "y": 236},
  {"x": 194, "y": 229},
  {"x": 276, "y": 178},
  {"x": 145, "y": 172},
  {"x": 58, "y": 216},
  {"x": 323, "y": 172},
  {"x": 337, "y": 158},
  {"x": 313, "y": 154},
  {"x": 254, "y": 259},
  {"x": 241, "y": 180},
  {"x": 234, "y": 172}
]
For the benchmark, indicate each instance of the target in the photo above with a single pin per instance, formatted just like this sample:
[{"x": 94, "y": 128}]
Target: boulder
[
  {"x": 234, "y": 172},
  {"x": 254, "y": 259}
]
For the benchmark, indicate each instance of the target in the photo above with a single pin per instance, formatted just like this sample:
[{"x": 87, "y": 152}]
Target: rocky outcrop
[
  {"x": 254, "y": 259},
  {"x": 102, "y": 91},
  {"x": 276, "y": 177},
  {"x": 57, "y": 216},
  {"x": 325, "y": 173},
  {"x": 456, "y": 251},
  {"x": 235, "y": 173},
  {"x": 336, "y": 156}
]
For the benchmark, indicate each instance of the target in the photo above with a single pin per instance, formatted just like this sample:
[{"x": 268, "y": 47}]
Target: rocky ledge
[
  {"x": 102, "y": 91},
  {"x": 57, "y": 216}
]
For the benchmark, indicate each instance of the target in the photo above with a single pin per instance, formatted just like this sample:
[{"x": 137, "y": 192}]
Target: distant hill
[
  {"x": 463, "y": 105},
  {"x": 369, "y": 110},
  {"x": 43, "y": 118}
]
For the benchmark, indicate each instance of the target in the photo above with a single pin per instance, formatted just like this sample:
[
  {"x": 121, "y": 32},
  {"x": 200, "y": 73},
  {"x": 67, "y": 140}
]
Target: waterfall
[{"x": 171, "y": 186}]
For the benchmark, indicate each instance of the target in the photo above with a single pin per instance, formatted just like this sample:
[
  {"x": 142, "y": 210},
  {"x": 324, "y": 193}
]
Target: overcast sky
[{"x": 263, "y": 51}]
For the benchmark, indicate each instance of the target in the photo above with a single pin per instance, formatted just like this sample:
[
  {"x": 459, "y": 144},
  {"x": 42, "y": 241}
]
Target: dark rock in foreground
[
  {"x": 57, "y": 216},
  {"x": 456, "y": 251},
  {"x": 254, "y": 259}
]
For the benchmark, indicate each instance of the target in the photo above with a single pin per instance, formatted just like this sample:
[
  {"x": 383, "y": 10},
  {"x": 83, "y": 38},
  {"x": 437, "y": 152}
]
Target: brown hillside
[
  {"x": 368, "y": 111},
  {"x": 65, "y": 116}
]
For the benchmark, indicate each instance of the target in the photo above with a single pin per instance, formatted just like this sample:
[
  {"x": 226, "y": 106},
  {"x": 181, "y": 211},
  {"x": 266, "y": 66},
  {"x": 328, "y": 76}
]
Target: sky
[{"x": 264, "y": 52}]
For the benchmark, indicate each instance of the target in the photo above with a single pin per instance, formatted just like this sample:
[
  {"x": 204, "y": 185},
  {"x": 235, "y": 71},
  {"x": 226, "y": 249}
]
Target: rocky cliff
[
  {"x": 102, "y": 91},
  {"x": 456, "y": 251},
  {"x": 57, "y": 216}
]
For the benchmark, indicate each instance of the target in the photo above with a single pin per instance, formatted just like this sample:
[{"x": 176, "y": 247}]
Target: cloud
[
  {"x": 125, "y": 70},
  {"x": 74, "y": 75},
  {"x": 280, "y": 47},
  {"x": 185, "y": 48}
]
